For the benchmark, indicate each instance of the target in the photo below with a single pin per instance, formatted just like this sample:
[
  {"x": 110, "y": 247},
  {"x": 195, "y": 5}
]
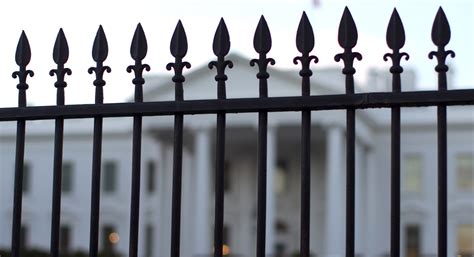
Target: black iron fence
[{"x": 350, "y": 101}]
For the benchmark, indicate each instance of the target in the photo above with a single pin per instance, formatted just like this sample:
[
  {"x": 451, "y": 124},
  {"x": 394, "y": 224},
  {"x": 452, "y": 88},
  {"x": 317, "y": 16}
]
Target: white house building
[{"x": 419, "y": 180}]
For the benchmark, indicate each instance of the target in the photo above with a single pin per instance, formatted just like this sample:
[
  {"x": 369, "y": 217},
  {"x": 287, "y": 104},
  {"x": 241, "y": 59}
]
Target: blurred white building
[{"x": 419, "y": 180}]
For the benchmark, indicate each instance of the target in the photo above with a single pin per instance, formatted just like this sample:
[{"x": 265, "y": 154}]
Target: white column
[
  {"x": 202, "y": 168},
  {"x": 271, "y": 199},
  {"x": 335, "y": 188},
  {"x": 359, "y": 199},
  {"x": 371, "y": 208}
]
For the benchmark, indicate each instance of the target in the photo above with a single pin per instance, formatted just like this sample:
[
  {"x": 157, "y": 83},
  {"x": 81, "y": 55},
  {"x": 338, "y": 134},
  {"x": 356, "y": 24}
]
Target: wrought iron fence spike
[
  {"x": 139, "y": 45},
  {"x": 61, "y": 49},
  {"x": 22, "y": 58},
  {"x": 440, "y": 33},
  {"x": 179, "y": 42},
  {"x": 262, "y": 40},
  {"x": 221, "y": 42},
  {"x": 100, "y": 49},
  {"x": 395, "y": 32},
  {"x": 23, "y": 51},
  {"x": 347, "y": 35},
  {"x": 305, "y": 35}
]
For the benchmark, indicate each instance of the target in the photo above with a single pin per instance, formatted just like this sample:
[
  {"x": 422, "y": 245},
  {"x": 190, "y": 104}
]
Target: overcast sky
[{"x": 41, "y": 21}]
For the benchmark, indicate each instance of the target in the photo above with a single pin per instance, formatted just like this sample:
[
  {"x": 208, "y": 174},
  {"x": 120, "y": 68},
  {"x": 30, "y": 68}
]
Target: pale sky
[{"x": 41, "y": 21}]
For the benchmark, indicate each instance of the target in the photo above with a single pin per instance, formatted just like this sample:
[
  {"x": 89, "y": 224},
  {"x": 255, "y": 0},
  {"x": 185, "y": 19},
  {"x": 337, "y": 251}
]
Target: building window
[
  {"x": 151, "y": 177},
  {"x": 26, "y": 177},
  {"x": 465, "y": 171},
  {"x": 67, "y": 177},
  {"x": 412, "y": 171},
  {"x": 465, "y": 240},
  {"x": 65, "y": 239},
  {"x": 110, "y": 238},
  {"x": 110, "y": 177},
  {"x": 149, "y": 240},
  {"x": 281, "y": 177},
  {"x": 412, "y": 241}
]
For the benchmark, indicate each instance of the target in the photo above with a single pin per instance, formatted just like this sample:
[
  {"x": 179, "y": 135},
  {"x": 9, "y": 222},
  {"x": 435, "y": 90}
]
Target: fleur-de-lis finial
[
  {"x": 100, "y": 50},
  {"x": 305, "y": 44},
  {"x": 221, "y": 47},
  {"x": 440, "y": 35},
  {"x": 347, "y": 38},
  {"x": 22, "y": 58},
  {"x": 138, "y": 51},
  {"x": 60, "y": 57},
  {"x": 178, "y": 49},
  {"x": 395, "y": 41},
  {"x": 262, "y": 42}
]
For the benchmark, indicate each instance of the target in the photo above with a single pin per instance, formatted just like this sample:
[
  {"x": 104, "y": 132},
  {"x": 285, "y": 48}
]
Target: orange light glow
[
  {"x": 225, "y": 250},
  {"x": 114, "y": 237}
]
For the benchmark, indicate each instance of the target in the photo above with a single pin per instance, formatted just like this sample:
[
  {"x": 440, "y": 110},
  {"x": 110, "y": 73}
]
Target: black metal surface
[
  {"x": 306, "y": 103},
  {"x": 99, "y": 54},
  {"x": 22, "y": 58},
  {"x": 221, "y": 47},
  {"x": 441, "y": 34},
  {"x": 395, "y": 41},
  {"x": 244, "y": 105},
  {"x": 60, "y": 56},
  {"x": 348, "y": 40},
  {"x": 305, "y": 44},
  {"x": 262, "y": 43},
  {"x": 178, "y": 48},
  {"x": 138, "y": 52}
]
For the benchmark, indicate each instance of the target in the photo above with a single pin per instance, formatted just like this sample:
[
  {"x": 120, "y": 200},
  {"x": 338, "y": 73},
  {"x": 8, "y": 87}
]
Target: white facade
[{"x": 419, "y": 180}]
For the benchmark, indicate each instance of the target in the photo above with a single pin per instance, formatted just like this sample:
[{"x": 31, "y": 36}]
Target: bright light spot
[
  {"x": 225, "y": 250},
  {"x": 114, "y": 237}
]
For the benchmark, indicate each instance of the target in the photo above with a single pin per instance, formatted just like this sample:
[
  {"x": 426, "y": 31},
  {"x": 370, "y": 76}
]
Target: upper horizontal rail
[{"x": 243, "y": 105}]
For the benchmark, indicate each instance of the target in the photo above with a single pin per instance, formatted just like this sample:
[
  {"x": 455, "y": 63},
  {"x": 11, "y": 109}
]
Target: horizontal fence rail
[
  {"x": 350, "y": 101},
  {"x": 244, "y": 105}
]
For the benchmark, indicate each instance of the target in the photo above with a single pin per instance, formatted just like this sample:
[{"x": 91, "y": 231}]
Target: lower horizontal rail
[{"x": 244, "y": 105}]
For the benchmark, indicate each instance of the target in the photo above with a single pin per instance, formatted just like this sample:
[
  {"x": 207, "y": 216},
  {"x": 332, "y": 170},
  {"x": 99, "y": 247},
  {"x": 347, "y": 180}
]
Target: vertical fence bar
[
  {"x": 440, "y": 36},
  {"x": 99, "y": 54},
  {"x": 262, "y": 44},
  {"x": 221, "y": 47},
  {"x": 22, "y": 58},
  {"x": 304, "y": 44},
  {"x": 178, "y": 47},
  {"x": 395, "y": 40},
  {"x": 348, "y": 39},
  {"x": 60, "y": 56},
  {"x": 138, "y": 52}
]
